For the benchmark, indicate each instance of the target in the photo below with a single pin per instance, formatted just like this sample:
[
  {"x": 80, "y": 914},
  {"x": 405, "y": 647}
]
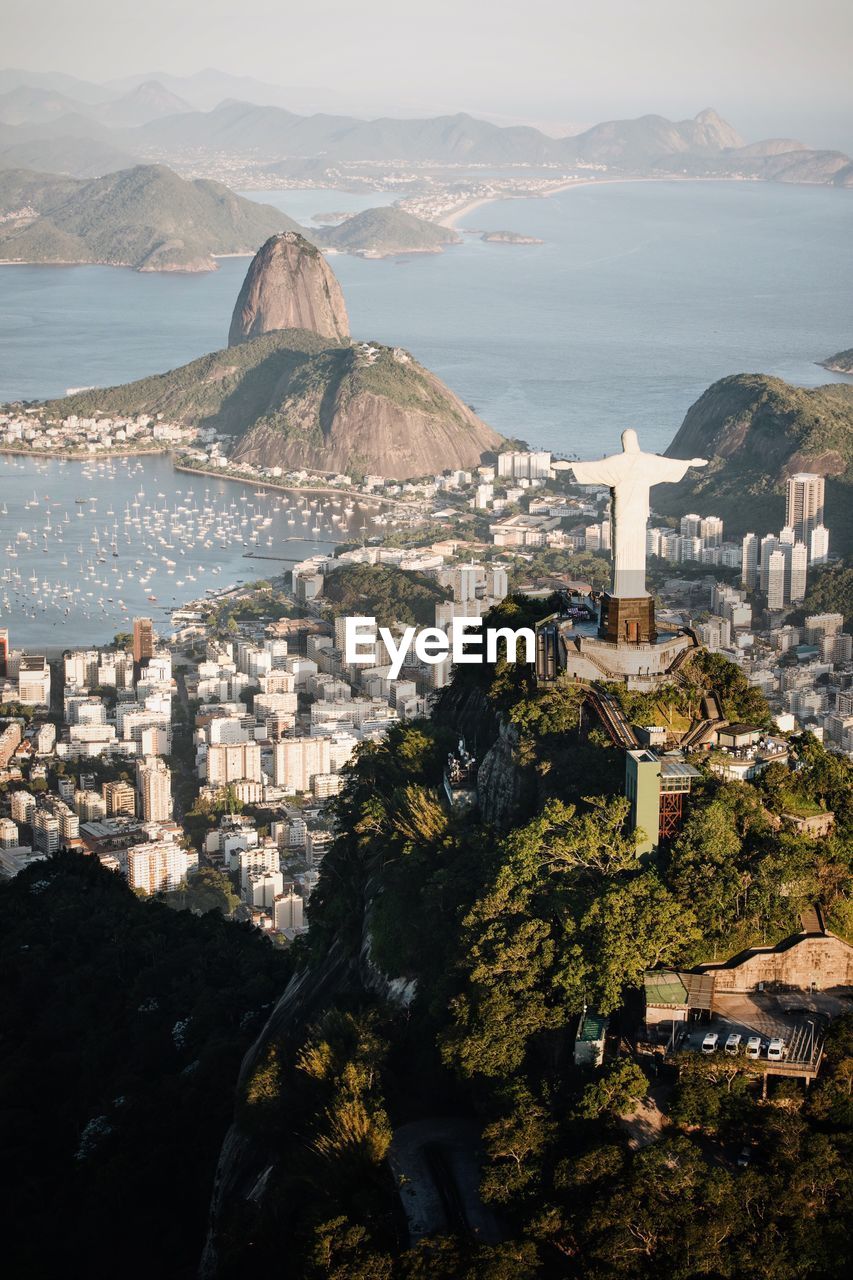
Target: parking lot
[{"x": 798, "y": 1018}]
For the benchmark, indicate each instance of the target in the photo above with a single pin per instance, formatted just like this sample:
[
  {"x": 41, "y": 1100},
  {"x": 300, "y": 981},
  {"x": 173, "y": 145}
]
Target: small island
[
  {"x": 509, "y": 237},
  {"x": 841, "y": 362}
]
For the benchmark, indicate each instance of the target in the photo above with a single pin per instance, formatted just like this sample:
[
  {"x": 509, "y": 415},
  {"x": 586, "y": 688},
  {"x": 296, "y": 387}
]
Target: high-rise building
[
  {"x": 90, "y": 806},
  {"x": 23, "y": 805},
  {"x": 775, "y": 578},
  {"x": 769, "y": 544},
  {"x": 46, "y": 834},
  {"x": 690, "y": 526},
  {"x": 119, "y": 798},
  {"x": 711, "y": 531},
  {"x": 804, "y": 506},
  {"x": 297, "y": 760},
  {"x": 4, "y": 652},
  {"x": 158, "y": 865},
  {"x": 749, "y": 562},
  {"x": 10, "y": 740},
  {"x": 799, "y": 563},
  {"x": 231, "y": 761},
  {"x": 288, "y": 911},
  {"x": 819, "y": 545},
  {"x": 154, "y": 784},
  {"x": 817, "y": 626},
  {"x": 143, "y": 641},
  {"x": 34, "y": 681},
  {"x": 9, "y": 836}
]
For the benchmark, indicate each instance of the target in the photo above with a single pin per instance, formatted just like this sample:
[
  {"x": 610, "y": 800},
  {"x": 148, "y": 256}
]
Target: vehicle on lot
[
  {"x": 744, "y": 1157},
  {"x": 733, "y": 1042},
  {"x": 776, "y": 1049},
  {"x": 753, "y": 1047},
  {"x": 709, "y": 1044}
]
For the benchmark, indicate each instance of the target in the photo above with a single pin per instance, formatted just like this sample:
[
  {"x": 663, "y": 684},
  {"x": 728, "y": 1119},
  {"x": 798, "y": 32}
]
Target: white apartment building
[
  {"x": 231, "y": 762},
  {"x": 297, "y": 760},
  {"x": 154, "y": 786}
]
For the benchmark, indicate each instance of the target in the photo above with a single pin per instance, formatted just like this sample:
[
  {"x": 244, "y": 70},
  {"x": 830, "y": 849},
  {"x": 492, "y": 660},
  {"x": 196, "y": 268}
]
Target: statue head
[{"x": 630, "y": 443}]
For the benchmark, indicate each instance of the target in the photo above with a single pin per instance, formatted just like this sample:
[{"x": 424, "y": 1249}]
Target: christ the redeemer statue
[{"x": 629, "y": 476}]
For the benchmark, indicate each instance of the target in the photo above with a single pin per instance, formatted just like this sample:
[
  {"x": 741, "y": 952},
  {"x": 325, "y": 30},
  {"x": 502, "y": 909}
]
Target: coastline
[
  {"x": 73, "y": 455},
  {"x": 258, "y": 482},
  {"x": 213, "y": 472},
  {"x": 451, "y": 219}
]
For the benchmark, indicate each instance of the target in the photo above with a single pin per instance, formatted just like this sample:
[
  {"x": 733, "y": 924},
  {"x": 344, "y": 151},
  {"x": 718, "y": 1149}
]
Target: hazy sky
[{"x": 773, "y": 67}]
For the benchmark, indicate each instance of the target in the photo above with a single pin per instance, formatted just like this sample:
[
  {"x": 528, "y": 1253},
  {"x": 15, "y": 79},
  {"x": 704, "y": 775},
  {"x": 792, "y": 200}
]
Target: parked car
[
  {"x": 709, "y": 1044},
  {"x": 753, "y": 1047},
  {"x": 733, "y": 1042},
  {"x": 776, "y": 1049},
  {"x": 744, "y": 1157}
]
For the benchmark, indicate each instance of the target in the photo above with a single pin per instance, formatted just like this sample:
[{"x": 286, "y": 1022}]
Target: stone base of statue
[
  {"x": 627, "y": 621},
  {"x": 624, "y": 644}
]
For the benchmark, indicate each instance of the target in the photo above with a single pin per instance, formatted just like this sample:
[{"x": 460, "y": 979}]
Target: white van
[
  {"x": 709, "y": 1044},
  {"x": 733, "y": 1043},
  {"x": 753, "y": 1047},
  {"x": 776, "y": 1049}
]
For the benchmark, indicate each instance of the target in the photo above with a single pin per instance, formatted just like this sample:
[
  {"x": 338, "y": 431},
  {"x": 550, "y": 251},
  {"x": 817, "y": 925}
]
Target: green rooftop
[
  {"x": 665, "y": 987},
  {"x": 593, "y": 1027}
]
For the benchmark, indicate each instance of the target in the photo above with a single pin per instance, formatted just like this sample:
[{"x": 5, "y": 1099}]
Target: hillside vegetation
[
  {"x": 757, "y": 431},
  {"x": 384, "y": 592},
  {"x": 379, "y": 232},
  {"x": 505, "y": 935},
  {"x": 146, "y": 217},
  {"x": 122, "y": 1026},
  {"x": 296, "y": 400}
]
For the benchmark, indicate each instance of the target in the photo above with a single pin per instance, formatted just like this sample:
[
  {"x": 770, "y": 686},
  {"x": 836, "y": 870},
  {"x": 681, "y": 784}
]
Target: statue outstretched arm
[
  {"x": 595, "y": 473},
  {"x": 669, "y": 470}
]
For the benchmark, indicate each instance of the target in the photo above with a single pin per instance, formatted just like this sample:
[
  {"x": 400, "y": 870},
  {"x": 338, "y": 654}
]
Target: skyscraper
[
  {"x": 143, "y": 641},
  {"x": 769, "y": 544},
  {"x": 775, "y": 578},
  {"x": 749, "y": 563},
  {"x": 4, "y": 651},
  {"x": 804, "y": 507},
  {"x": 154, "y": 781},
  {"x": 819, "y": 545},
  {"x": 799, "y": 561}
]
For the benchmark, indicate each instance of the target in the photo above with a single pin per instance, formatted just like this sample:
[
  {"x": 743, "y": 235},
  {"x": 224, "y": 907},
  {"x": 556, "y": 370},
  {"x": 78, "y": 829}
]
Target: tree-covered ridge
[
  {"x": 122, "y": 1027},
  {"x": 502, "y": 939},
  {"x": 756, "y": 430},
  {"x": 385, "y": 592},
  {"x": 146, "y": 217},
  {"x": 387, "y": 231},
  {"x": 830, "y": 590}
]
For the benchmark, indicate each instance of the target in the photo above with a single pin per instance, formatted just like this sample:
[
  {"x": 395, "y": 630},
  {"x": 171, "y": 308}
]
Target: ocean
[{"x": 639, "y": 297}]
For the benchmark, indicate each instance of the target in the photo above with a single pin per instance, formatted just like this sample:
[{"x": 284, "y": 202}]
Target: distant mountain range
[{"x": 159, "y": 116}]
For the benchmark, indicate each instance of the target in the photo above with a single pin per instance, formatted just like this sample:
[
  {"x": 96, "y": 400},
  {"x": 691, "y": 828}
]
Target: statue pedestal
[{"x": 626, "y": 620}]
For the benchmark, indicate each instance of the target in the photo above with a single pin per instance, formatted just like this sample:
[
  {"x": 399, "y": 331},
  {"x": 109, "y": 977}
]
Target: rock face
[
  {"x": 366, "y": 409},
  {"x": 289, "y": 285}
]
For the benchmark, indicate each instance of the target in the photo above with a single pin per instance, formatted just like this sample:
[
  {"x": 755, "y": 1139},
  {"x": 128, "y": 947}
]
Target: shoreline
[
  {"x": 451, "y": 218},
  {"x": 62, "y": 455},
  {"x": 214, "y": 473},
  {"x": 259, "y": 483}
]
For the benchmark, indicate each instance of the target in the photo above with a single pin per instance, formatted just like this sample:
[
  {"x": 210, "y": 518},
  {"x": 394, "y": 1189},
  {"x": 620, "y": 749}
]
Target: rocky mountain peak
[{"x": 289, "y": 285}]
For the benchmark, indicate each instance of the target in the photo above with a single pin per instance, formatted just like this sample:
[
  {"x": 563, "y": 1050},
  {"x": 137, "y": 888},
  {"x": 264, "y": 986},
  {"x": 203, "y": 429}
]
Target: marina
[{"x": 88, "y": 545}]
